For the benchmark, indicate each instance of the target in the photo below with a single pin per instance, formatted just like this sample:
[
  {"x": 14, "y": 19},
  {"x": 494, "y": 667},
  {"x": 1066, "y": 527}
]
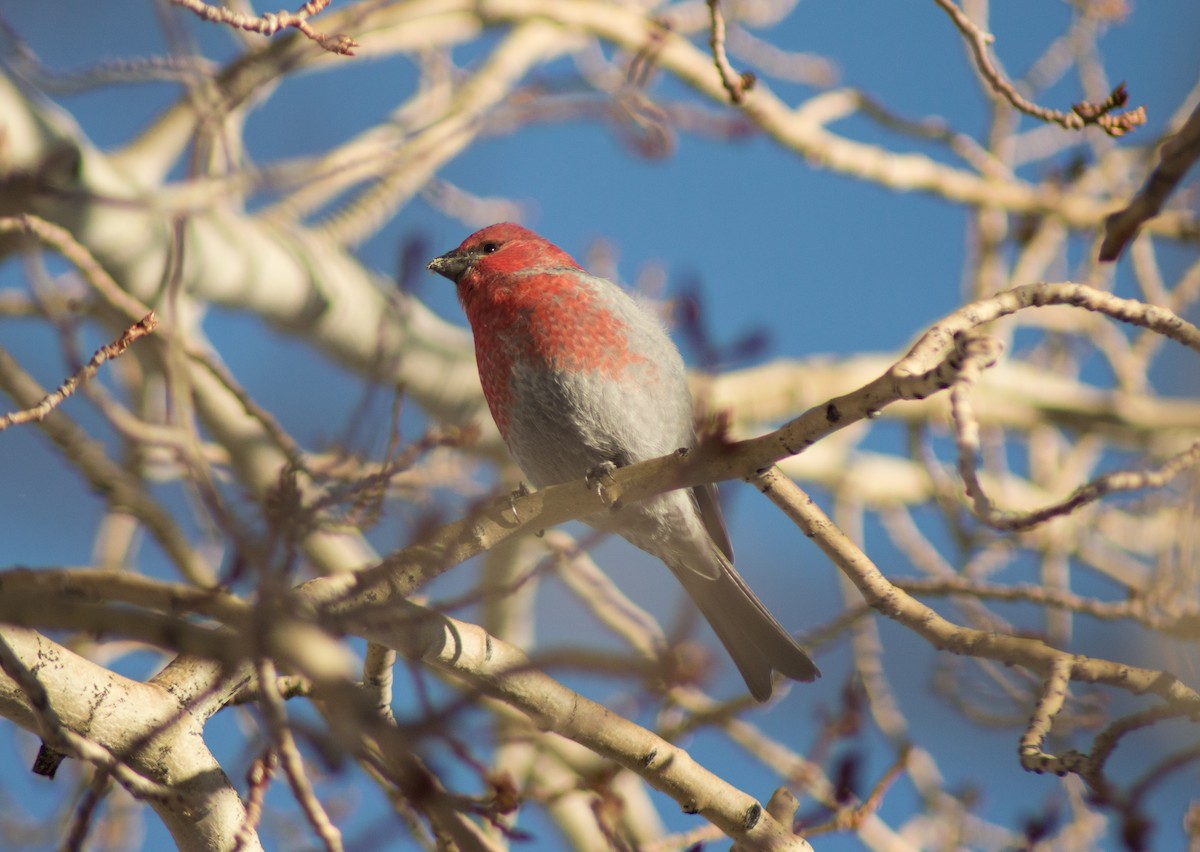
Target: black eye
[{"x": 488, "y": 248}]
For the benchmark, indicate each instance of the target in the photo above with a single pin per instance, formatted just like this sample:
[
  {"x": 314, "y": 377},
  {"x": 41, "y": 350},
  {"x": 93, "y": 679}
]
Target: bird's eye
[{"x": 488, "y": 248}]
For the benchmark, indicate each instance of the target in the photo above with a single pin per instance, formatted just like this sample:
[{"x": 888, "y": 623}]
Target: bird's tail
[{"x": 757, "y": 642}]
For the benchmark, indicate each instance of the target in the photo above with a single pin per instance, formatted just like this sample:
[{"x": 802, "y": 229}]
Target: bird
[{"x": 580, "y": 378}]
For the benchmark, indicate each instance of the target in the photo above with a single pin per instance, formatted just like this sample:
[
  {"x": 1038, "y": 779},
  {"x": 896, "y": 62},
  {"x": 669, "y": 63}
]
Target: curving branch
[{"x": 1081, "y": 115}]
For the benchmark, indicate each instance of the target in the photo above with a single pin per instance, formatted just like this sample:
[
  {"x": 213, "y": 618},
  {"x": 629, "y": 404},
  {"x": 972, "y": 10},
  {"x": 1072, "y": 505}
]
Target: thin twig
[
  {"x": 85, "y": 373},
  {"x": 291, "y": 760},
  {"x": 1082, "y": 113},
  {"x": 258, "y": 780},
  {"x": 64, "y": 242},
  {"x": 272, "y": 22},
  {"x": 736, "y": 84}
]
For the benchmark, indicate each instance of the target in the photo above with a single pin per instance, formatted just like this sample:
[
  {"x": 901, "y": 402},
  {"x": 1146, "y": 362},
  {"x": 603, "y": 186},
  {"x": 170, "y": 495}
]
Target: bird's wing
[{"x": 710, "y": 513}]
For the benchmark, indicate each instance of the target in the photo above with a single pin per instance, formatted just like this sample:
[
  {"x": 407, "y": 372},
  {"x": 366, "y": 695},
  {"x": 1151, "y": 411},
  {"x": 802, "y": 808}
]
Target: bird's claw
[
  {"x": 522, "y": 490},
  {"x": 599, "y": 478}
]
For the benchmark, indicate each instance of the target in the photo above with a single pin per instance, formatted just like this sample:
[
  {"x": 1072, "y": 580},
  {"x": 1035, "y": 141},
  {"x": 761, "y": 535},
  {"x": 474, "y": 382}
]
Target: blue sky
[{"x": 819, "y": 262}]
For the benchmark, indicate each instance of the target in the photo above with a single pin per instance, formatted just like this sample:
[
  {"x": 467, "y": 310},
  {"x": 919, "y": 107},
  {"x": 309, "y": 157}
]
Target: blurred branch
[
  {"x": 64, "y": 242},
  {"x": 290, "y": 759},
  {"x": 504, "y": 672},
  {"x": 122, "y": 489},
  {"x": 195, "y": 214},
  {"x": 1175, "y": 157},
  {"x": 1177, "y": 616},
  {"x": 289, "y": 277},
  {"x": 1013, "y": 650},
  {"x": 802, "y": 129},
  {"x": 403, "y": 173},
  {"x": 377, "y": 678}
]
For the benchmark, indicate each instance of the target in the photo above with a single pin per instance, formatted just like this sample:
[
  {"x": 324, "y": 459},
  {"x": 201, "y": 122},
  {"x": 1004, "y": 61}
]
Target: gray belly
[{"x": 563, "y": 425}]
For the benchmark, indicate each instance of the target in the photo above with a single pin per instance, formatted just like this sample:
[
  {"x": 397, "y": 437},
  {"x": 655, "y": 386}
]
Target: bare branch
[
  {"x": 736, "y": 84},
  {"x": 1081, "y": 115},
  {"x": 272, "y": 22},
  {"x": 1175, "y": 157},
  {"x": 1049, "y": 705},
  {"x": 290, "y": 759},
  {"x": 140, "y": 329},
  {"x": 893, "y": 603}
]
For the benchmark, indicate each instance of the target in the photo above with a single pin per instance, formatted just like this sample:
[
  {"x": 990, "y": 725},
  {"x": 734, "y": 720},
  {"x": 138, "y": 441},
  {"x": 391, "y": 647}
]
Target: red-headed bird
[{"x": 578, "y": 376}]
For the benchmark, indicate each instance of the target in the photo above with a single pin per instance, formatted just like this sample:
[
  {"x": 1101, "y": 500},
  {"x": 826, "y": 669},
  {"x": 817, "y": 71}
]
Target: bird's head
[{"x": 499, "y": 250}]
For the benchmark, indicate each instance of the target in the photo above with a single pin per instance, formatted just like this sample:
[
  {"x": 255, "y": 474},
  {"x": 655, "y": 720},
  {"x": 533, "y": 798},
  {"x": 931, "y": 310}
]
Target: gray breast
[{"x": 564, "y": 424}]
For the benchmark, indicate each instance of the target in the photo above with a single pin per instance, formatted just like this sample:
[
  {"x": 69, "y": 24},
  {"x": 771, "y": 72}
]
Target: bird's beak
[{"x": 452, "y": 265}]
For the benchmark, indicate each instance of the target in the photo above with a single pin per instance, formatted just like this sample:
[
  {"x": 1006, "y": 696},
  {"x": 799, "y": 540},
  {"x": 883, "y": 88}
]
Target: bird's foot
[
  {"x": 522, "y": 490},
  {"x": 599, "y": 479}
]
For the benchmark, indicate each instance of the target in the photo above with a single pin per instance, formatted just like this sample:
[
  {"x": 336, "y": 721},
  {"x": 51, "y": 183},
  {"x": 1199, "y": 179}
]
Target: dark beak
[{"x": 452, "y": 265}]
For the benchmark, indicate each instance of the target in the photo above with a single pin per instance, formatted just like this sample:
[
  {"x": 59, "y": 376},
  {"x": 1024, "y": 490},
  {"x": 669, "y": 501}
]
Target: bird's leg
[{"x": 599, "y": 478}]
